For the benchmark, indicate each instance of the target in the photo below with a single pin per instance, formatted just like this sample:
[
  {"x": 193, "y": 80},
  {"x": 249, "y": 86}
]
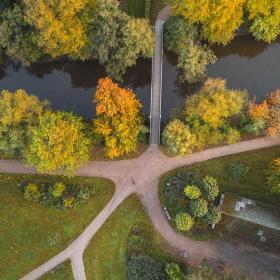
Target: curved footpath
[{"x": 141, "y": 176}]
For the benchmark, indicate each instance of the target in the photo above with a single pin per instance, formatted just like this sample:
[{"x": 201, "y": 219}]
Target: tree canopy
[
  {"x": 116, "y": 39},
  {"x": 58, "y": 144},
  {"x": 182, "y": 38},
  {"x": 118, "y": 118},
  {"x": 19, "y": 113},
  {"x": 17, "y": 37},
  {"x": 58, "y": 24},
  {"x": 220, "y": 19}
]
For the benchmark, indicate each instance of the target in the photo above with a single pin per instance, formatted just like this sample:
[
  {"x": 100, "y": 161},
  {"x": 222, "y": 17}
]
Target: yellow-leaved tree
[
  {"x": 220, "y": 18},
  {"x": 118, "y": 118},
  {"x": 61, "y": 31}
]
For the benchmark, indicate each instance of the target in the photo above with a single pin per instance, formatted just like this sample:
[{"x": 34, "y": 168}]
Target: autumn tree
[
  {"x": 60, "y": 28},
  {"x": 214, "y": 103},
  {"x": 118, "y": 118},
  {"x": 273, "y": 101},
  {"x": 219, "y": 19},
  {"x": 265, "y": 17},
  {"x": 58, "y": 144},
  {"x": 17, "y": 37},
  {"x": 19, "y": 114},
  {"x": 182, "y": 38},
  {"x": 116, "y": 39},
  {"x": 178, "y": 138}
]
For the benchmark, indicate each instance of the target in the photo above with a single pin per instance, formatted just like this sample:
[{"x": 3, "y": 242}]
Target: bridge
[{"x": 156, "y": 87}]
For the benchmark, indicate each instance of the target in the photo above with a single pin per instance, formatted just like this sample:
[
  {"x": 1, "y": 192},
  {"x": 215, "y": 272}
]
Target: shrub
[
  {"x": 192, "y": 192},
  {"x": 174, "y": 271},
  {"x": 84, "y": 193},
  {"x": 69, "y": 202},
  {"x": 31, "y": 192},
  {"x": 236, "y": 171},
  {"x": 143, "y": 267},
  {"x": 57, "y": 190},
  {"x": 210, "y": 186},
  {"x": 213, "y": 216},
  {"x": 233, "y": 136},
  {"x": 178, "y": 138},
  {"x": 184, "y": 221},
  {"x": 273, "y": 178},
  {"x": 199, "y": 207}
]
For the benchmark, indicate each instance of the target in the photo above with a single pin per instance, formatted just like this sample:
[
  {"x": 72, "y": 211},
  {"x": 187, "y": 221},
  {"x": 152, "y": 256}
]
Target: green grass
[
  {"x": 26, "y": 226},
  {"x": 105, "y": 257},
  {"x": 62, "y": 272},
  {"x": 253, "y": 185},
  {"x": 135, "y": 8}
]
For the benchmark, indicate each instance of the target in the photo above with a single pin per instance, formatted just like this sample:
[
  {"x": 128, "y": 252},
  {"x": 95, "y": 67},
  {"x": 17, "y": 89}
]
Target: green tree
[
  {"x": 19, "y": 113},
  {"x": 273, "y": 179},
  {"x": 59, "y": 25},
  {"x": 219, "y": 19},
  {"x": 17, "y": 37},
  {"x": 192, "y": 192},
  {"x": 199, "y": 207},
  {"x": 117, "y": 40},
  {"x": 174, "y": 271},
  {"x": 118, "y": 119},
  {"x": 213, "y": 216},
  {"x": 210, "y": 187},
  {"x": 178, "y": 138},
  {"x": 182, "y": 38},
  {"x": 58, "y": 144},
  {"x": 265, "y": 17},
  {"x": 184, "y": 221}
]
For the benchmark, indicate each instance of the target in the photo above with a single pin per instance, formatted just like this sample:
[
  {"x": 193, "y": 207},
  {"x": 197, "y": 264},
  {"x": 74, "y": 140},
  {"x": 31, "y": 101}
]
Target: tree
[
  {"x": 199, "y": 207},
  {"x": 117, "y": 40},
  {"x": 58, "y": 144},
  {"x": 265, "y": 17},
  {"x": 193, "y": 57},
  {"x": 273, "y": 101},
  {"x": 183, "y": 221},
  {"x": 192, "y": 192},
  {"x": 273, "y": 178},
  {"x": 178, "y": 138},
  {"x": 213, "y": 216},
  {"x": 19, "y": 113},
  {"x": 174, "y": 271},
  {"x": 17, "y": 36},
  {"x": 59, "y": 25},
  {"x": 118, "y": 119},
  {"x": 214, "y": 104},
  {"x": 210, "y": 187},
  {"x": 219, "y": 19}
]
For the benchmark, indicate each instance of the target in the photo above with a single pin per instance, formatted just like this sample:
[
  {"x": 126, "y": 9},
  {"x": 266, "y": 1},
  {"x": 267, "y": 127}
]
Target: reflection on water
[
  {"x": 71, "y": 85},
  {"x": 244, "y": 63}
]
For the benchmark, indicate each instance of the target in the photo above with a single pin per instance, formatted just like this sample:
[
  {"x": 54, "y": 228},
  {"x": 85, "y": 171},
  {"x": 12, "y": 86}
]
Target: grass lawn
[
  {"x": 105, "y": 257},
  {"x": 253, "y": 185},
  {"x": 62, "y": 272},
  {"x": 28, "y": 227}
]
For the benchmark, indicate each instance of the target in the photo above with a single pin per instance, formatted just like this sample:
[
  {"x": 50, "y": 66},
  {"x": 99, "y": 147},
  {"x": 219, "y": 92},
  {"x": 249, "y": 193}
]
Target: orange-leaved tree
[{"x": 118, "y": 118}]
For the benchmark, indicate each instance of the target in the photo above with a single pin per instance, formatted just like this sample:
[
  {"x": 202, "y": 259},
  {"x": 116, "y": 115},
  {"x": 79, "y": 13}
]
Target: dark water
[
  {"x": 71, "y": 85},
  {"x": 244, "y": 63}
]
